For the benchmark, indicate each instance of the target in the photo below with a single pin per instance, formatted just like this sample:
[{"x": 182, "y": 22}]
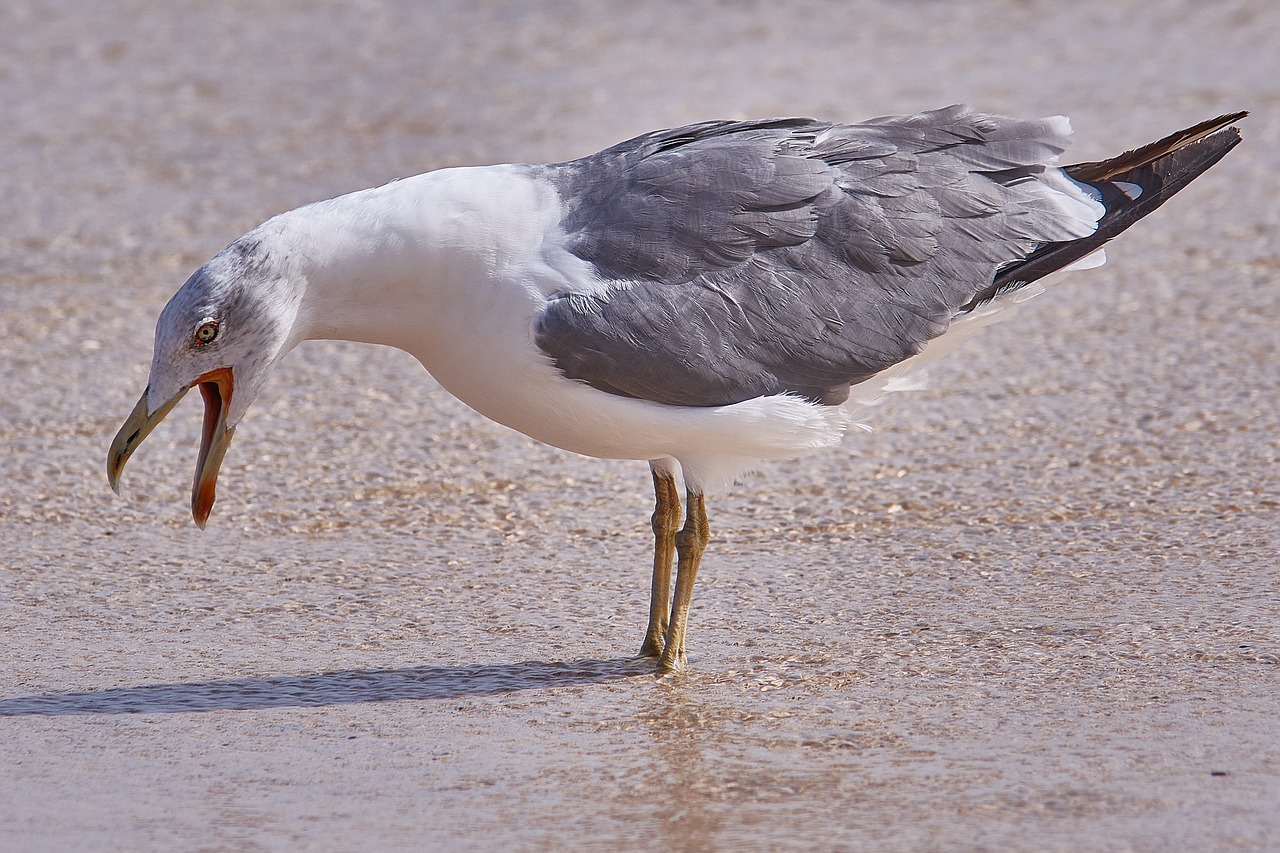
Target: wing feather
[{"x": 793, "y": 256}]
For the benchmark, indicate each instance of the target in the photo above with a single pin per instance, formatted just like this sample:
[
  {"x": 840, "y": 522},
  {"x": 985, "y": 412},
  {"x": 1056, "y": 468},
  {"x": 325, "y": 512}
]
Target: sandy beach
[{"x": 1037, "y": 609}]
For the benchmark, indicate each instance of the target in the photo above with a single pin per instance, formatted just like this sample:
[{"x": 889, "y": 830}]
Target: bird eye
[{"x": 206, "y": 332}]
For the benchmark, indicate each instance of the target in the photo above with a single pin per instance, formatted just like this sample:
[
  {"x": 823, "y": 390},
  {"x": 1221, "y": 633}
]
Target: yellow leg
[
  {"x": 691, "y": 541},
  {"x": 666, "y": 521}
]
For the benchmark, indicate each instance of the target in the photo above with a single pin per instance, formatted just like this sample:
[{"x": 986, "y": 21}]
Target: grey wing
[{"x": 793, "y": 256}]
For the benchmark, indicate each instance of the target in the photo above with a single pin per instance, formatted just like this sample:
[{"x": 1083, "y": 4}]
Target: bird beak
[{"x": 215, "y": 387}]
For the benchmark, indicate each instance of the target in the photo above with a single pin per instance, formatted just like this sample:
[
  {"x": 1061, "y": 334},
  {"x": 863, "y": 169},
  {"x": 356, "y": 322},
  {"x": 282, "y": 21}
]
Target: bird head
[{"x": 222, "y": 332}]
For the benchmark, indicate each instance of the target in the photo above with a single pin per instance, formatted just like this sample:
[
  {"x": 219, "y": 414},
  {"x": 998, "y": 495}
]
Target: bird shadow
[{"x": 328, "y": 688}]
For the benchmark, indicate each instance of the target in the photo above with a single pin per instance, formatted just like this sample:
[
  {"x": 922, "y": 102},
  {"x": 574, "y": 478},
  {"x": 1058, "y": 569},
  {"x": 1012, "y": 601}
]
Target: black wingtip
[
  {"x": 1161, "y": 169},
  {"x": 1113, "y": 167}
]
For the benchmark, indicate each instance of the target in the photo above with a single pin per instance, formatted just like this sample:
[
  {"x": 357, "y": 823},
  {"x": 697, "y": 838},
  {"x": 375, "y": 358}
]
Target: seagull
[{"x": 707, "y": 298}]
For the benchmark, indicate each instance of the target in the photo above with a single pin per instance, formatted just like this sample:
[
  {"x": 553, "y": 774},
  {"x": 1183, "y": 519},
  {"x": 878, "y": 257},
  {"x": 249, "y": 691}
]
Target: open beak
[{"x": 215, "y": 387}]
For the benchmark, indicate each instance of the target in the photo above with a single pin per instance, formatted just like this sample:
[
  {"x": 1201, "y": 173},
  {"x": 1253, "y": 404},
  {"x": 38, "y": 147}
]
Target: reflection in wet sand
[{"x": 680, "y": 734}]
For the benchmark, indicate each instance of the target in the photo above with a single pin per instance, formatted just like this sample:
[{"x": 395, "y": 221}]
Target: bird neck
[{"x": 410, "y": 263}]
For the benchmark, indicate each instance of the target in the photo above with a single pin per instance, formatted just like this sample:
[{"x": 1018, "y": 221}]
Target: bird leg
[
  {"x": 691, "y": 541},
  {"x": 666, "y": 521}
]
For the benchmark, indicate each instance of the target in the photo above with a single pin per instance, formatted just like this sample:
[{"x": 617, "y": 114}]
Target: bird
[{"x": 708, "y": 298}]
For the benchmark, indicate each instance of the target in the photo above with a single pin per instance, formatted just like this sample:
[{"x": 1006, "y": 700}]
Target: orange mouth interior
[{"x": 215, "y": 388}]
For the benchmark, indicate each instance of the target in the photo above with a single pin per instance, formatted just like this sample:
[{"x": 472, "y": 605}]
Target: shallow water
[{"x": 1036, "y": 610}]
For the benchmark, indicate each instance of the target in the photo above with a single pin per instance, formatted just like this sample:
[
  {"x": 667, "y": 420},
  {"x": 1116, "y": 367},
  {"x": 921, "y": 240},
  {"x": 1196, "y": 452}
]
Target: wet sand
[{"x": 1036, "y": 610}]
